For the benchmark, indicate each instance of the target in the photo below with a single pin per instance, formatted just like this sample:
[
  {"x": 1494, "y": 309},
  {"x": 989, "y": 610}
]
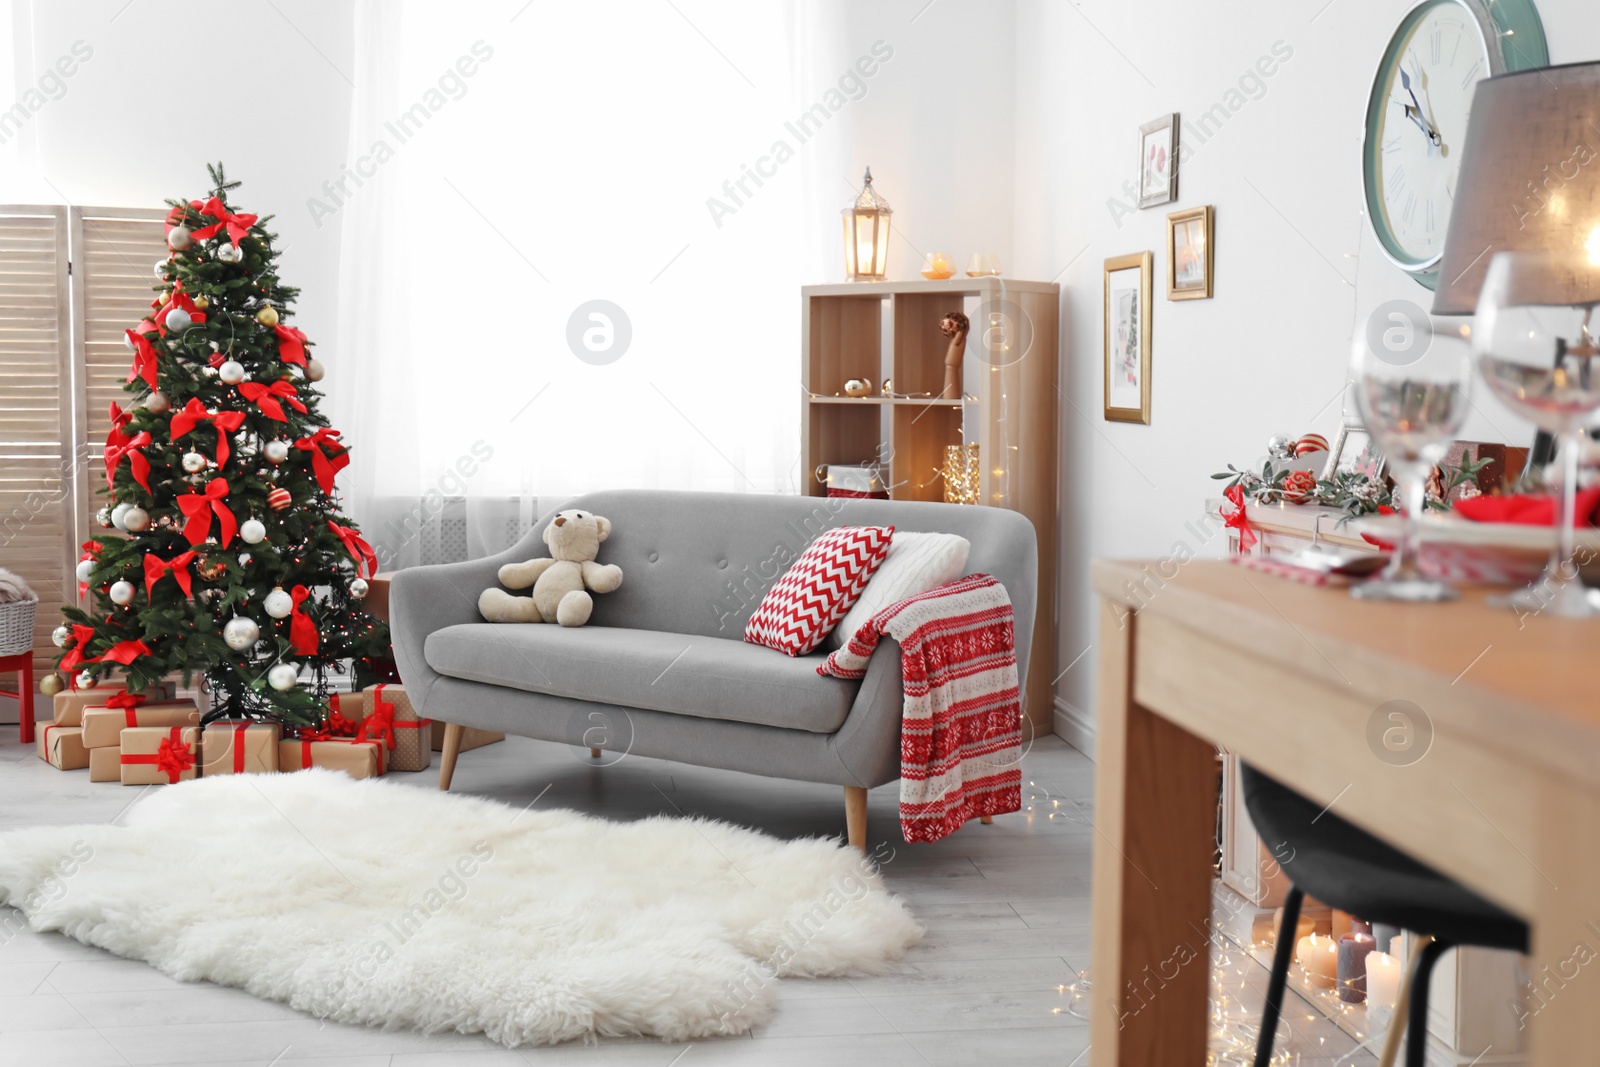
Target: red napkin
[{"x": 1529, "y": 510}]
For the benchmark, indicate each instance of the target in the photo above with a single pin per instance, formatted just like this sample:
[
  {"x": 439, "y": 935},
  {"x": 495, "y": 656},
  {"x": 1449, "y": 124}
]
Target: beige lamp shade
[{"x": 1530, "y": 182}]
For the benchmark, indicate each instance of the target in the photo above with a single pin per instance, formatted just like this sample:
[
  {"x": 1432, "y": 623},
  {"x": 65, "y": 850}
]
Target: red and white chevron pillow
[{"x": 814, "y": 594}]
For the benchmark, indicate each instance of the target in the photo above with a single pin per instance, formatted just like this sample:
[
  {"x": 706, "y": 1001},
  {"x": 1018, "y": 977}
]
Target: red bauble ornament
[{"x": 278, "y": 499}]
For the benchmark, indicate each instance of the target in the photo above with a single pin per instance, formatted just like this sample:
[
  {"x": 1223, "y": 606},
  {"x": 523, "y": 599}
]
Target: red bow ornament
[
  {"x": 179, "y": 299},
  {"x": 125, "y": 699},
  {"x": 291, "y": 344},
  {"x": 380, "y": 723},
  {"x": 265, "y": 397},
  {"x": 178, "y": 566},
  {"x": 144, "y": 358},
  {"x": 81, "y": 636},
  {"x": 194, "y": 413},
  {"x": 120, "y": 446},
  {"x": 174, "y": 756},
  {"x": 303, "y": 636},
  {"x": 328, "y": 455},
  {"x": 366, "y": 560},
  {"x": 237, "y": 225},
  {"x": 198, "y": 509},
  {"x": 1237, "y": 519},
  {"x": 125, "y": 652}
]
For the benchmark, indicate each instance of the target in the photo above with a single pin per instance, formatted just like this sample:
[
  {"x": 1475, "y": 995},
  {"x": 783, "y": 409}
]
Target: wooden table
[{"x": 1505, "y": 796}]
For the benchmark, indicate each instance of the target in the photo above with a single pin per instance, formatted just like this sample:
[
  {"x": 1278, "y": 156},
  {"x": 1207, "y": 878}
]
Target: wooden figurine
[{"x": 954, "y": 326}]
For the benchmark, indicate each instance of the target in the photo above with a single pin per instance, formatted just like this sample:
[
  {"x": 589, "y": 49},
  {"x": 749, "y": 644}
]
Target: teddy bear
[{"x": 560, "y": 582}]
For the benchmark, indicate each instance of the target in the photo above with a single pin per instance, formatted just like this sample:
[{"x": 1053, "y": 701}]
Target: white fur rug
[{"x": 376, "y": 903}]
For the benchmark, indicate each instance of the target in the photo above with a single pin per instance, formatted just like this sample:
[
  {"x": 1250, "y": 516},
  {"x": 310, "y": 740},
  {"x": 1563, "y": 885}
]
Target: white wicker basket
[{"x": 16, "y": 626}]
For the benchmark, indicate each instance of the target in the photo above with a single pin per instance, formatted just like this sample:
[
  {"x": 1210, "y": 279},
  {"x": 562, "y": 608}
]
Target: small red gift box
[{"x": 155, "y": 755}]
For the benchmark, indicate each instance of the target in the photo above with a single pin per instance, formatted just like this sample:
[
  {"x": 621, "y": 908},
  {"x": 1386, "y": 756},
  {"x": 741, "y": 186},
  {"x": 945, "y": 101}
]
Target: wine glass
[
  {"x": 1411, "y": 384},
  {"x": 1534, "y": 336}
]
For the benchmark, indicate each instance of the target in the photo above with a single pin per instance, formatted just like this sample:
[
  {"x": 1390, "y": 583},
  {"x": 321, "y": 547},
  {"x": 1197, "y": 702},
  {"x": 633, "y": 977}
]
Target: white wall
[
  {"x": 1296, "y": 266},
  {"x": 160, "y": 97}
]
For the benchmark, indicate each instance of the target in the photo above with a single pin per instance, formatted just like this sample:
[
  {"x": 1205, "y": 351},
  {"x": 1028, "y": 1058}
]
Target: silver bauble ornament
[
  {"x": 229, "y": 253},
  {"x": 194, "y": 462},
  {"x": 137, "y": 520},
  {"x": 157, "y": 402},
  {"x": 315, "y": 370},
  {"x": 276, "y": 451},
  {"x": 231, "y": 372},
  {"x": 358, "y": 588},
  {"x": 121, "y": 593},
  {"x": 244, "y": 559},
  {"x": 240, "y": 633},
  {"x": 50, "y": 684},
  {"x": 252, "y": 531},
  {"x": 103, "y": 517},
  {"x": 177, "y": 320},
  {"x": 278, "y": 603},
  {"x": 179, "y": 238},
  {"x": 161, "y": 268},
  {"x": 85, "y": 568},
  {"x": 86, "y": 680},
  {"x": 283, "y": 676},
  {"x": 59, "y": 635},
  {"x": 1280, "y": 446},
  {"x": 119, "y": 516}
]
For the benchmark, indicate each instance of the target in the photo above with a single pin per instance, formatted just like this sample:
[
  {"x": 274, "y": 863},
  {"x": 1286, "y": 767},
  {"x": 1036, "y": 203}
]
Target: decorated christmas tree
[{"x": 236, "y": 562}]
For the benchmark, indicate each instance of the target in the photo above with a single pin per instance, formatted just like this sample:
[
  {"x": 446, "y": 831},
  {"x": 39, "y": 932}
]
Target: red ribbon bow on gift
[
  {"x": 119, "y": 446},
  {"x": 291, "y": 344},
  {"x": 125, "y": 699},
  {"x": 356, "y": 545},
  {"x": 177, "y": 566},
  {"x": 125, "y": 652},
  {"x": 81, "y": 636},
  {"x": 198, "y": 509},
  {"x": 238, "y": 225},
  {"x": 1237, "y": 520},
  {"x": 264, "y": 397},
  {"x": 194, "y": 413},
  {"x": 328, "y": 455},
  {"x": 144, "y": 358},
  {"x": 179, "y": 299},
  {"x": 174, "y": 756},
  {"x": 336, "y": 725},
  {"x": 380, "y": 722},
  {"x": 303, "y": 636}
]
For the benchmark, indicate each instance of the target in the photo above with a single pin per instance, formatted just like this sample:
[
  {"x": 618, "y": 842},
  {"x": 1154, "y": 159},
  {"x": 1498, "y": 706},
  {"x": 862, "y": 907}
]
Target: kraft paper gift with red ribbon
[
  {"x": 358, "y": 759},
  {"x": 103, "y": 726},
  {"x": 228, "y": 747},
  {"x": 62, "y": 747},
  {"x": 105, "y": 765},
  {"x": 67, "y": 707},
  {"x": 154, "y": 755},
  {"x": 391, "y": 719}
]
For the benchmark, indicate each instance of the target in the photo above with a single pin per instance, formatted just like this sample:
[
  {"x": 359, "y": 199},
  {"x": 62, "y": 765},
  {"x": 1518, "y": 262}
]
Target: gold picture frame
[
  {"x": 1126, "y": 337},
  {"x": 1191, "y": 253}
]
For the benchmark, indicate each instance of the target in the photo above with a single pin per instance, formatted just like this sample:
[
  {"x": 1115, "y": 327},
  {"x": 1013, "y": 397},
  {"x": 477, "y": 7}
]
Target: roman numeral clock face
[{"x": 1417, "y": 122}]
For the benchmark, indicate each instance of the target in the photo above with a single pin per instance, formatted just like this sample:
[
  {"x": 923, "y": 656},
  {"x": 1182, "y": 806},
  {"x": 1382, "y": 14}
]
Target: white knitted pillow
[{"x": 916, "y": 563}]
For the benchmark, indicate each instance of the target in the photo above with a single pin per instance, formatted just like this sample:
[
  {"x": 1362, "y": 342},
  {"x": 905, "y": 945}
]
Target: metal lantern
[{"x": 866, "y": 235}]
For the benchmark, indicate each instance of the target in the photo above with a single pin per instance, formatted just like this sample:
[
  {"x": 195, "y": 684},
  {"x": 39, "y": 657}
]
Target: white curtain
[{"x": 506, "y": 170}]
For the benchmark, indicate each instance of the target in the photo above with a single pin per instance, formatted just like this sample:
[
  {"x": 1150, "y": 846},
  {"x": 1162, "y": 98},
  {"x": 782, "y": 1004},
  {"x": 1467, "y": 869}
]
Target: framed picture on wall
[
  {"x": 1158, "y": 161},
  {"x": 1189, "y": 254},
  {"x": 1127, "y": 337}
]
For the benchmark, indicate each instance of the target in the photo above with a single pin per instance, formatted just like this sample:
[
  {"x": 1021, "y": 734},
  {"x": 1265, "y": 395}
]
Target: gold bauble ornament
[
  {"x": 201, "y": 302},
  {"x": 50, "y": 684},
  {"x": 267, "y": 316}
]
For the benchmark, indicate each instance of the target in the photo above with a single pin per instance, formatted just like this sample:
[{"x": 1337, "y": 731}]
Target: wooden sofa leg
[
  {"x": 855, "y": 816},
  {"x": 986, "y": 819},
  {"x": 594, "y": 753},
  {"x": 452, "y": 749}
]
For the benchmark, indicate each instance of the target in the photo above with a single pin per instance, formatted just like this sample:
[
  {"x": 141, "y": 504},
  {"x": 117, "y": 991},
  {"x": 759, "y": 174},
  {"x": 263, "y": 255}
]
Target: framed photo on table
[
  {"x": 1127, "y": 337},
  {"x": 1354, "y": 450},
  {"x": 1190, "y": 255},
  {"x": 1158, "y": 161}
]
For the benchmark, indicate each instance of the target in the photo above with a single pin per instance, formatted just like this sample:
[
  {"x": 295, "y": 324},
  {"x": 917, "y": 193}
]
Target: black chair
[{"x": 1349, "y": 869}]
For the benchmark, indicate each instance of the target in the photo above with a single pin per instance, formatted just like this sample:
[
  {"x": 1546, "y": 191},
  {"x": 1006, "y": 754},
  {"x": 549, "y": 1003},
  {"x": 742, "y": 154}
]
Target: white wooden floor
[{"x": 1006, "y": 907}]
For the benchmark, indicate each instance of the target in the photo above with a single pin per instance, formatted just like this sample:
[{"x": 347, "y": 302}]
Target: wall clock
[{"x": 1417, "y": 116}]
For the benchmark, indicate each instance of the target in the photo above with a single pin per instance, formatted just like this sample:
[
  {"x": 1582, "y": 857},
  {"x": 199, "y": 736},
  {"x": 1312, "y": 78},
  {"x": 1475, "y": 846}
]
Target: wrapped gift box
[
  {"x": 390, "y": 718},
  {"x": 239, "y": 748},
  {"x": 62, "y": 746},
  {"x": 102, "y": 727},
  {"x": 358, "y": 759},
  {"x": 105, "y": 764},
  {"x": 156, "y": 755},
  {"x": 67, "y": 706},
  {"x": 377, "y": 599},
  {"x": 470, "y": 737}
]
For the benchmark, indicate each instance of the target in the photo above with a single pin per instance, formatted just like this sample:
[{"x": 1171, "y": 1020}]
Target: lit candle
[
  {"x": 1318, "y": 957},
  {"x": 1383, "y": 982},
  {"x": 1353, "y": 952}
]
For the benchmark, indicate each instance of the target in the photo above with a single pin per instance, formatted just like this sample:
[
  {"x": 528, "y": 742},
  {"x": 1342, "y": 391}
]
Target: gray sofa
[{"x": 662, "y": 669}]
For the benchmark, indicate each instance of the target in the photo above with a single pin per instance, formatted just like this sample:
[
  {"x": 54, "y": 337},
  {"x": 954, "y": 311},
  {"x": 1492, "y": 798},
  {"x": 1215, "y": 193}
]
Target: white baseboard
[{"x": 1074, "y": 727}]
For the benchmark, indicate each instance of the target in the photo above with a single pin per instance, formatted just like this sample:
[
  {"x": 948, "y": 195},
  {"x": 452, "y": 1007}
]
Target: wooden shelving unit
[{"x": 890, "y": 330}]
